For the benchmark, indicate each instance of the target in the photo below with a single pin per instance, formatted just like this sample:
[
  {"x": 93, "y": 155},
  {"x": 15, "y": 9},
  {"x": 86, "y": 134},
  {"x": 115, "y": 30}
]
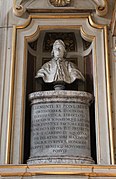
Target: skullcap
[{"x": 59, "y": 42}]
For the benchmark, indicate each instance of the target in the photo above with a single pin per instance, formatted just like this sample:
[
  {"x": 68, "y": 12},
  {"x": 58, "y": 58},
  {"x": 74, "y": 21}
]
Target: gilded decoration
[{"x": 60, "y": 3}]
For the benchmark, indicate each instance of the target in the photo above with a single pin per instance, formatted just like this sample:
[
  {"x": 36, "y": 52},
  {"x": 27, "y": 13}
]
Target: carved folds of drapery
[{"x": 20, "y": 6}]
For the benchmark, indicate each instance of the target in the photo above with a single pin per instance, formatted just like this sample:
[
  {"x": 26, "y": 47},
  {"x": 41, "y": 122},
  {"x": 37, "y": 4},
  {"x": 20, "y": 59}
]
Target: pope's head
[{"x": 58, "y": 50}]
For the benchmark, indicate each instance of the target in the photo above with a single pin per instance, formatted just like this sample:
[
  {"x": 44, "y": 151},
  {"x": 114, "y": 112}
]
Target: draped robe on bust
[{"x": 59, "y": 70}]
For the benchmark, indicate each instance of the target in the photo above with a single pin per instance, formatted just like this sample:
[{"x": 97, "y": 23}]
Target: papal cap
[{"x": 59, "y": 42}]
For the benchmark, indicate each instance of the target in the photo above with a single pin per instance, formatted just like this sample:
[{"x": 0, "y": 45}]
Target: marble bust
[{"x": 58, "y": 69}]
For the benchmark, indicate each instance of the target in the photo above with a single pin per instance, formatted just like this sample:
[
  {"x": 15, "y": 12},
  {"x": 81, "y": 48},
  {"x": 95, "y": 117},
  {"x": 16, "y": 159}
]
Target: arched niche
[
  {"x": 40, "y": 50},
  {"x": 90, "y": 32},
  {"x": 79, "y": 52}
]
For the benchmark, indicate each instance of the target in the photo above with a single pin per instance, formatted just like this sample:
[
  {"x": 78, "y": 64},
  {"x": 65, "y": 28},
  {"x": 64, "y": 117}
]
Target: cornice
[
  {"x": 57, "y": 16},
  {"x": 63, "y": 16},
  {"x": 19, "y": 8}
]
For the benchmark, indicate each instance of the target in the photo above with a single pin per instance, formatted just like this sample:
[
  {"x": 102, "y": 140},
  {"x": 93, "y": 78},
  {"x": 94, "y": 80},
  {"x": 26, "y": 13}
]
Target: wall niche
[
  {"x": 86, "y": 45},
  {"x": 79, "y": 52}
]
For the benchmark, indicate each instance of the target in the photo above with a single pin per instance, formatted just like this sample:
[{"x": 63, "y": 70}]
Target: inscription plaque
[{"x": 60, "y": 128}]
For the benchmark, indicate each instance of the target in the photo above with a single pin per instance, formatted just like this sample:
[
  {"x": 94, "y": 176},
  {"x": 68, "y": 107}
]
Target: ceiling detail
[{"x": 60, "y": 3}]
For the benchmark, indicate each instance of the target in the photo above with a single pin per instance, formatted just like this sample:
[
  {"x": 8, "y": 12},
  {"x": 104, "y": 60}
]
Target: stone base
[
  {"x": 60, "y": 128},
  {"x": 60, "y": 160},
  {"x": 64, "y": 171}
]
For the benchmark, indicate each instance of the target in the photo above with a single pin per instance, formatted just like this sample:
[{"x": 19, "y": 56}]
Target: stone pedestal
[{"x": 60, "y": 127}]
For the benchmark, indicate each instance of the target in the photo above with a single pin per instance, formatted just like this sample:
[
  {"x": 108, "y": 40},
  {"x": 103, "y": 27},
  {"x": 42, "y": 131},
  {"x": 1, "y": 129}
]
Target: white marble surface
[
  {"x": 60, "y": 127},
  {"x": 58, "y": 171},
  {"x": 113, "y": 88},
  {"x": 5, "y": 60},
  {"x": 2, "y": 71}
]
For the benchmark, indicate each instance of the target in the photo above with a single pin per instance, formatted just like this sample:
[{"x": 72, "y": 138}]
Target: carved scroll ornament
[
  {"x": 101, "y": 7},
  {"x": 60, "y": 3},
  {"x": 18, "y": 9}
]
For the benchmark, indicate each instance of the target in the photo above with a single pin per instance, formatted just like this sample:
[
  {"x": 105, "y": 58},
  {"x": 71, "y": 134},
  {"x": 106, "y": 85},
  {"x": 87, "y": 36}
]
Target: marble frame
[
  {"x": 19, "y": 9},
  {"x": 28, "y": 32}
]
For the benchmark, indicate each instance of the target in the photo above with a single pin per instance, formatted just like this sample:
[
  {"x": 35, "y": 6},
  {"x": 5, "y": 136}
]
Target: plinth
[{"x": 60, "y": 127}]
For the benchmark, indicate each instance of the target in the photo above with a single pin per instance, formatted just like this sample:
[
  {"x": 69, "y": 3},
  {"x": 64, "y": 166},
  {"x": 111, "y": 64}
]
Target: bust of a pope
[{"x": 58, "y": 69}]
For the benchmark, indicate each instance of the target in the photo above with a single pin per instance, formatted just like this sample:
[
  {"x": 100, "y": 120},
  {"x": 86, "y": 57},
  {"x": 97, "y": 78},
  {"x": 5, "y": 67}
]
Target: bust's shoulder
[{"x": 48, "y": 63}]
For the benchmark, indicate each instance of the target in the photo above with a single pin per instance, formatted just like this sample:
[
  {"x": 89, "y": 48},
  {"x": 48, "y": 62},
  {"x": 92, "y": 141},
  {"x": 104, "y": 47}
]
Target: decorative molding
[
  {"x": 45, "y": 170},
  {"x": 114, "y": 51},
  {"x": 72, "y": 16},
  {"x": 113, "y": 22},
  {"x": 101, "y": 7},
  {"x": 20, "y": 6},
  {"x": 114, "y": 46},
  {"x": 60, "y": 3},
  {"x": 11, "y": 96},
  {"x": 18, "y": 9},
  {"x": 90, "y": 38}
]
